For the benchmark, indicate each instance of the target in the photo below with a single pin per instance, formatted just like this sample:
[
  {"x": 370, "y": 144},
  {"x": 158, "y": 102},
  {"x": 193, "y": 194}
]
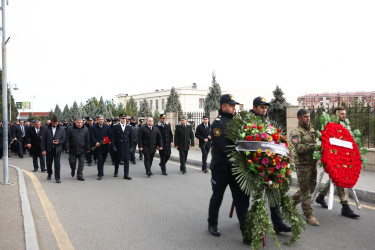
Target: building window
[
  {"x": 333, "y": 99},
  {"x": 316, "y": 99},
  {"x": 201, "y": 103},
  {"x": 309, "y": 104},
  {"x": 151, "y": 104},
  {"x": 344, "y": 98},
  {"x": 163, "y": 104},
  {"x": 157, "y": 104},
  {"x": 308, "y": 99}
]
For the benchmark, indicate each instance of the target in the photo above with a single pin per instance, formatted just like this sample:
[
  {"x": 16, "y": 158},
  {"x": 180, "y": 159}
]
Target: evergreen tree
[
  {"x": 145, "y": 110},
  {"x": 110, "y": 106},
  {"x": 65, "y": 113},
  {"x": 173, "y": 102},
  {"x": 119, "y": 110},
  {"x": 212, "y": 101},
  {"x": 101, "y": 110},
  {"x": 91, "y": 108},
  {"x": 82, "y": 110},
  {"x": 277, "y": 108},
  {"x": 74, "y": 111},
  {"x": 156, "y": 116},
  {"x": 131, "y": 107},
  {"x": 58, "y": 111}
]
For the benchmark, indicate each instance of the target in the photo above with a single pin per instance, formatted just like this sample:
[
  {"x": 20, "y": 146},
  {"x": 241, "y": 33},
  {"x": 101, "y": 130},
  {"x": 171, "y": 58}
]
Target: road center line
[{"x": 57, "y": 228}]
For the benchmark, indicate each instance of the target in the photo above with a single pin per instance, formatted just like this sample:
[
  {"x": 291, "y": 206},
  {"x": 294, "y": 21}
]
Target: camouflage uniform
[
  {"x": 303, "y": 140},
  {"x": 341, "y": 192}
]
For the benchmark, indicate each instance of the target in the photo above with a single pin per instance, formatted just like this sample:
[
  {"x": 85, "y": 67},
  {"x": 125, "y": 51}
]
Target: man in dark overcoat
[
  {"x": 167, "y": 137},
  {"x": 183, "y": 138},
  {"x": 203, "y": 135},
  {"x": 122, "y": 145},
  {"x": 149, "y": 138},
  {"x": 98, "y": 132},
  {"x": 33, "y": 142},
  {"x": 53, "y": 139}
]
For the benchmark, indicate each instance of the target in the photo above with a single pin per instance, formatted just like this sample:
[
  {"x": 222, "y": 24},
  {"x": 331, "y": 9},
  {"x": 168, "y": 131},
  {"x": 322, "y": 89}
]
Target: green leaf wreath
[{"x": 263, "y": 175}]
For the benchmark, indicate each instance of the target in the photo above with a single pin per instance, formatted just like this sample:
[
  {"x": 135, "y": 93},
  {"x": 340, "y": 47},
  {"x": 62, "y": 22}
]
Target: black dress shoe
[
  {"x": 205, "y": 171},
  {"x": 282, "y": 227},
  {"x": 99, "y": 178},
  {"x": 348, "y": 212},
  {"x": 58, "y": 181},
  {"x": 49, "y": 177},
  {"x": 115, "y": 175},
  {"x": 127, "y": 178},
  {"x": 43, "y": 170},
  {"x": 320, "y": 200},
  {"x": 35, "y": 170},
  {"x": 134, "y": 163},
  {"x": 183, "y": 171},
  {"x": 214, "y": 231},
  {"x": 140, "y": 158},
  {"x": 164, "y": 173},
  {"x": 89, "y": 164},
  {"x": 149, "y": 174},
  {"x": 81, "y": 179},
  {"x": 73, "y": 172}
]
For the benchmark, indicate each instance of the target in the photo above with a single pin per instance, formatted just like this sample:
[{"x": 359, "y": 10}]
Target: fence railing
[
  {"x": 360, "y": 117},
  {"x": 193, "y": 117}
]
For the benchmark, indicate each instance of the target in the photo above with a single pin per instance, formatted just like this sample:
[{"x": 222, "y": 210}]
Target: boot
[
  {"x": 320, "y": 200},
  {"x": 346, "y": 211},
  {"x": 246, "y": 239},
  {"x": 115, "y": 174},
  {"x": 278, "y": 224},
  {"x": 312, "y": 220}
]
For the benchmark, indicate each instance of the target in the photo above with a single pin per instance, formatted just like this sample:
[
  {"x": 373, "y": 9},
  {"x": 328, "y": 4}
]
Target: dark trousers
[
  {"x": 183, "y": 158},
  {"x": 149, "y": 157},
  {"x": 132, "y": 154},
  {"x": 140, "y": 154},
  {"x": 221, "y": 178},
  {"x": 19, "y": 149},
  {"x": 23, "y": 145},
  {"x": 164, "y": 157},
  {"x": 205, "y": 151},
  {"x": 41, "y": 160},
  {"x": 53, "y": 156},
  {"x": 73, "y": 161},
  {"x": 101, "y": 159},
  {"x": 88, "y": 156},
  {"x": 126, "y": 166}
]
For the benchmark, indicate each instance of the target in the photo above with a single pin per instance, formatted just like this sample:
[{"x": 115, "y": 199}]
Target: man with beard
[
  {"x": 167, "y": 137},
  {"x": 53, "y": 139},
  {"x": 122, "y": 144},
  {"x": 33, "y": 142}
]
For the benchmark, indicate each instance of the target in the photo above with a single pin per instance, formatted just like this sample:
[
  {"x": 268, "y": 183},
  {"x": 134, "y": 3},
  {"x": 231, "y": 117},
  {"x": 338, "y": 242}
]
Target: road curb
[
  {"x": 28, "y": 220},
  {"x": 363, "y": 195}
]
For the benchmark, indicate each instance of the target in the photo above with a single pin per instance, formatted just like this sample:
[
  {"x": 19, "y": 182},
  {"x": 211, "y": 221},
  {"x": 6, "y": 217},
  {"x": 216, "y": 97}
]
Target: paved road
[{"x": 161, "y": 212}]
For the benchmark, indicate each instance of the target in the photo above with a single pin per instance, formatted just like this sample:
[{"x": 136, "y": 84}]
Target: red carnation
[
  {"x": 279, "y": 130},
  {"x": 256, "y": 159},
  {"x": 266, "y": 179},
  {"x": 247, "y": 126},
  {"x": 259, "y": 154},
  {"x": 260, "y": 168},
  {"x": 260, "y": 127},
  {"x": 279, "y": 176},
  {"x": 271, "y": 170},
  {"x": 280, "y": 181},
  {"x": 249, "y": 138},
  {"x": 258, "y": 139}
]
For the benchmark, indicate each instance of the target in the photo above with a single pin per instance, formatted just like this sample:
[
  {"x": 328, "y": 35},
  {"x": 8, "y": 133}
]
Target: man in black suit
[
  {"x": 167, "y": 137},
  {"x": 203, "y": 135},
  {"x": 33, "y": 141},
  {"x": 88, "y": 125},
  {"x": 122, "y": 144},
  {"x": 149, "y": 138},
  {"x": 53, "y": 139},
  {"x": 98, "y": 133},
  {"x": 19, "y": 133},
  {"x": 140, "y": 125}
]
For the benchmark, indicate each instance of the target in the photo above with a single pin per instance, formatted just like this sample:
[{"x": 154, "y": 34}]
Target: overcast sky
[{"x": 61, "y": 51}]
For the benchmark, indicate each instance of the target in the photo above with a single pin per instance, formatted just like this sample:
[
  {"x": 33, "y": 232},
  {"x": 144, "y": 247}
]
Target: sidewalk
[{"x": 365, "y": 187}]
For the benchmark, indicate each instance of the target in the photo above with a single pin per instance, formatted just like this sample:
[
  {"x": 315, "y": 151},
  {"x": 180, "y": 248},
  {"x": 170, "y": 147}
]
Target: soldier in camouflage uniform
[
  {"x": 341, "y": 192},
  {"x": 303, "y": 140}
]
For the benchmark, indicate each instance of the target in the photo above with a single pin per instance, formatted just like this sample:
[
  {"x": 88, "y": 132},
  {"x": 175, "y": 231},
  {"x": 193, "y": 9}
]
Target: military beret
[
  {"x": 302, "y": 112},
  {"x": 260, "y": 101},
  {"x": 227, "y": 98}
]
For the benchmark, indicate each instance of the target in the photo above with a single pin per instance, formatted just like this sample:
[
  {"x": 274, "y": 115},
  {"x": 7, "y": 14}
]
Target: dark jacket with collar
[
  {"x": 122, "y": 141},
  {"x": 97, "y": 135},
  {"x": 202, "y": 133},
  {"x": 34, "y": 139},
  {"x": 149, "y": 140},
  {"x": 48, "y": 138},
  {"x": 184, "y": 136},
  {"x": 77, "y": 140},
  {"x": 167, "y": 136}
]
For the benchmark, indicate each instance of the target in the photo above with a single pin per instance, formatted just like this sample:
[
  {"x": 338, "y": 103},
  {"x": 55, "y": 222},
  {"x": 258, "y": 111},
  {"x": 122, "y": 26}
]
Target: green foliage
[
  {"x": 65, "y": 113},
  {"x": 32, "y": 117},
  {"x": 156, "y": 116},
  {"x": 74, "y": 111},
  {"x": 212, "y": 100},
  {"x": 277, "y": 109},
  {"x": 144, "y": 110},
  {"x": 131, "y": 107},
  {"x": 173, "y": 102},
  {"x": 102, "y": 110},
  {"x": 58, "y": 111}
]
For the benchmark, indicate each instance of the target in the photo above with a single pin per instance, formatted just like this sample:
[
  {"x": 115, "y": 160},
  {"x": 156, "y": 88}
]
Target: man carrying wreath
[
  {"x": 303, "y": 140},
  {"x": 342, "y": 192}
]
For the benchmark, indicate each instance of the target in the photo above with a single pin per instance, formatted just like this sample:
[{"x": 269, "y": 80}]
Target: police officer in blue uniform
[{"x": 221, "y": 172}]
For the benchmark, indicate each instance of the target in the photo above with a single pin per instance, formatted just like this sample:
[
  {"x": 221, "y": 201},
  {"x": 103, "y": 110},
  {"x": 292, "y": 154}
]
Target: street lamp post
[{"x": 11, "y": 86}]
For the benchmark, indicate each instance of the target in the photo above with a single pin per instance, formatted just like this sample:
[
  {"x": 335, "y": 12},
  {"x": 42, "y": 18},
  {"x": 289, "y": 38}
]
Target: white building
[{"x": 192, "y": 98}]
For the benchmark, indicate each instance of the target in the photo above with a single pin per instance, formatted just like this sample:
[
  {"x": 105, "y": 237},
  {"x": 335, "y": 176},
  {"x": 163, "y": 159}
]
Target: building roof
[
  {"x": 359, "y": 93},
  {"x": 34, "y": 113}
]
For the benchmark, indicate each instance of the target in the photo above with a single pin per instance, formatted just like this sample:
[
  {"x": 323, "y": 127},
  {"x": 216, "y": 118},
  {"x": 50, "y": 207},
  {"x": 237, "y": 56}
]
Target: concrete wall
[{"x": 371, "y": 160}]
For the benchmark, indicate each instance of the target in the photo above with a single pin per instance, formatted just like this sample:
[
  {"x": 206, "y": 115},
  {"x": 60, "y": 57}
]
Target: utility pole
[{"x": 5, "y": 97}]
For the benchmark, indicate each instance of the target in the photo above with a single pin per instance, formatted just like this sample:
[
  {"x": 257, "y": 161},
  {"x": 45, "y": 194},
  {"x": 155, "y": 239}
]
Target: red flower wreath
[{"x": 342, "y": 164}]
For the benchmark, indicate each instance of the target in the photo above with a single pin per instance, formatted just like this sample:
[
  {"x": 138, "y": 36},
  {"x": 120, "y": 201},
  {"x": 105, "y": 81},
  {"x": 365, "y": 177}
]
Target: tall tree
[
  {"x": 102, "y": 110},
  {"x": 91, "y": 108},
  {"x": 156, "y": 116},
  {"x": 82, "y": 110},
  {"x": 173, "y": 102},
  {"x": 65, "y": 113},
  {"x": 58, "y": 111},
  {"x": 131, "y": 107},
  {"x": 145, "y": 110},
  {"x": 277, "y": 108},
  {"x": 212, "y": 101},
  {"x": 74, "y": 111}
]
